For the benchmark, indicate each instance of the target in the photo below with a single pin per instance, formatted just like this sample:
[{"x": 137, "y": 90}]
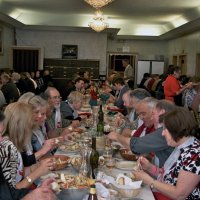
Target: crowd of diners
[{"x": 158, "y": 121}]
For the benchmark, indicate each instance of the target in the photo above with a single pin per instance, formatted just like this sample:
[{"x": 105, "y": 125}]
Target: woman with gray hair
[{"x": 72, "y": 106}]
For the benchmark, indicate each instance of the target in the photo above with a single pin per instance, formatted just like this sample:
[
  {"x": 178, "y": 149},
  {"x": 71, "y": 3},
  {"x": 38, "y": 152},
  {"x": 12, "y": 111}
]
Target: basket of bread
[
  {"x": 126, "y": 186},
  {"x": 128, "y": 155},
  {"x": 60, "y": 161}
]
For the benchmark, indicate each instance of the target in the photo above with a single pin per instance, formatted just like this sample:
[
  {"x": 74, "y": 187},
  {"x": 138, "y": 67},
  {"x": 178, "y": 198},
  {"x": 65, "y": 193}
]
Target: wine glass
[
  {"x": 99, "y": 175},
  {"x": 110, "y": 163},
  {"x": 107, "y": 153}
]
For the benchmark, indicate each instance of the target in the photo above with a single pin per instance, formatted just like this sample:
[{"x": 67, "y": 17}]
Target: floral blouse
[
  {"x": 188, "y": 160},
  {"x": 188, "y": 96}
]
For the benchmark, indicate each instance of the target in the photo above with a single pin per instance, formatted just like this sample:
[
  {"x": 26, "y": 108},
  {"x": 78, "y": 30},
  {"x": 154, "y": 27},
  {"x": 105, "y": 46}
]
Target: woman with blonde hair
[
  {"x": 18, "y": 133},
  {"x": 39, "y": 144}
]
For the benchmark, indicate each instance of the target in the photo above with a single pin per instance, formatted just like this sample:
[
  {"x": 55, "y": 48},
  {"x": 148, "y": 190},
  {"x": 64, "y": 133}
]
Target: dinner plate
[
  {"x": 125, "y": 165},
  {"x": 114, "y": 108},
  {"x": 85, "y": 113},
  {"x": 85, "y": 110}
]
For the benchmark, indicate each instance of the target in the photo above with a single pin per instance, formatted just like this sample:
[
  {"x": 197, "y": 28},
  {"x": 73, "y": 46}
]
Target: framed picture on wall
[
  {"x": 69, "y": 51},
  {"x": 1, "y": 40}
]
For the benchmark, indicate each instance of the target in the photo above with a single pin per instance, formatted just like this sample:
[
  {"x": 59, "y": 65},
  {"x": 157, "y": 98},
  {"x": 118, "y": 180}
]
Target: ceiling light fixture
[
  {"x": 98, "y": 24},
  {"x": 98, "y": 3}
]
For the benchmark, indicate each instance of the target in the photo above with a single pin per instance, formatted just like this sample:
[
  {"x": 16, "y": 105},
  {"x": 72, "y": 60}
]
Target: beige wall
[
  {"x": 188, "y": 45},
  {"x": 147, "y": 50},
  {"x": 96, "y": 46},
  {"x": 90, "y": 45},
  {"x": 8, "y": 41}
]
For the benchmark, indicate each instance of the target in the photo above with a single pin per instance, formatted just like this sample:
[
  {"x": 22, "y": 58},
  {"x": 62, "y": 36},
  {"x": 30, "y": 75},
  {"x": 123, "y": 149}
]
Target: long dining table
[{"x": 79, "y": 194}]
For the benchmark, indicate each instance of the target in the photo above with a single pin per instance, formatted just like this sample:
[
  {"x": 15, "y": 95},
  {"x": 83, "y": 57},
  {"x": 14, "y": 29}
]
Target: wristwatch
[{"x": 28, "y": 179}]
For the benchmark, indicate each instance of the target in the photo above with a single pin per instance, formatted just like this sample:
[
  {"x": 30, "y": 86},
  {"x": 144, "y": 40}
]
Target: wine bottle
[
  {"x": 100, "y": 125},
  {"x": 92, "y": 194},
  {"x": 94, "y": 157}
]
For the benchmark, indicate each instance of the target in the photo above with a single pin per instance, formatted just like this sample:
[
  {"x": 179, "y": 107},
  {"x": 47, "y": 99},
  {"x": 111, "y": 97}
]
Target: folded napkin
[
  {"x": 127, "y": 182},
  {"x": 102, "y": 191}
]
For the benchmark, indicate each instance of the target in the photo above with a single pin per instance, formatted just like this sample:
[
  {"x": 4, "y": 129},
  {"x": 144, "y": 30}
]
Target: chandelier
[
  {"x": 98, "y": 3},
  {"x": 98, "y": 24}
]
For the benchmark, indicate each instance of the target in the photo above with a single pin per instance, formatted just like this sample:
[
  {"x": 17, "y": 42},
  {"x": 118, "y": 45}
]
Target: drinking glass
[
  {"x": 110, "y": 163},
  {"x": 107, "y": 154}
]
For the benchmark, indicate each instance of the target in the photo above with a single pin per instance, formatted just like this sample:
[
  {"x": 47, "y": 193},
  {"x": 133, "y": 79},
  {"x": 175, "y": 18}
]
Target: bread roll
[{"x": 121, "y": 181}]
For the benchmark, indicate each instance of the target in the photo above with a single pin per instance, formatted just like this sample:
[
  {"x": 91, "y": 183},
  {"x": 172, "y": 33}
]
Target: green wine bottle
[
  {"x": 94, "y": 157},
  {"x": 100, "y": 125}
]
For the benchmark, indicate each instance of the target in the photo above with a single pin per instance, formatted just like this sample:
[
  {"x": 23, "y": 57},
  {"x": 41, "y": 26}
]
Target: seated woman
[
  {"x": 18, "y": 133},
  {"x": 180, "y": 176},
  {"x": 39, "y": 146},
  {"x": 72, "y": 106},
  {"x": 189, "y": 94}
]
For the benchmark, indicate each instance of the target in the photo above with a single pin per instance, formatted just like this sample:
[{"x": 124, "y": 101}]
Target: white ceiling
[{"x": 161, "y": 19}]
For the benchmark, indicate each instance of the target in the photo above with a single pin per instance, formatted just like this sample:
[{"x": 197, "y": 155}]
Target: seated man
[
  {"x": 79, "y": 85},
  {"x": 153, "y": 142},
  {"x": 131, "y": 98},
  {"x": 55, "y": 120},
  {"x": 145, "y": 123},
  {"x": 121, "y": 88}
]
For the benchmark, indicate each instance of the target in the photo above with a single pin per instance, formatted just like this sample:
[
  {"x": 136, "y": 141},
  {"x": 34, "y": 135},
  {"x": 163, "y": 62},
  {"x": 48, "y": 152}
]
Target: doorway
[
  {"x": 197, "y": 71},
  {"x": 175, "y": 60},
  {"x": 183, "y": 64},
  {"x": 115, "y": 63}
]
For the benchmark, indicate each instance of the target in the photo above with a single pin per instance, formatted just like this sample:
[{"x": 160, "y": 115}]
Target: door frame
[{"x": 134, "y": 64}]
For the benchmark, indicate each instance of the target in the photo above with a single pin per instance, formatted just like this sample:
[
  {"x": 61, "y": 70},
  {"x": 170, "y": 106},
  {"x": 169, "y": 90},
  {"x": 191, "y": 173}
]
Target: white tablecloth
[{"x": 145, "y": 194}]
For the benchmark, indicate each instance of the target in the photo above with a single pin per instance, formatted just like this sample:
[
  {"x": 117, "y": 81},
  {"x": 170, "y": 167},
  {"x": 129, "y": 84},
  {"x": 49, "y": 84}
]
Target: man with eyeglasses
[
  {"x": 55, "y": 119},
  {"x": 150, "y": 143},
  {"x": 131, "y": 98}
]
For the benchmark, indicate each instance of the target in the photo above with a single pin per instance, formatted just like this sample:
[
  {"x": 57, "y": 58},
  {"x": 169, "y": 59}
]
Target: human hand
[
  {"x": 119, "y": 120},
  {"x": 141, "y": 175},
  {"x": 144, "y": 163},
  {"x": 70, "y": 136},
  {"x": 113, "y": 136},
  {"x": 45, "y": 165},
  {"x": 58, "y": 140},
  {"x": 49, "y": 145},
  {"x": 66, "y": 131},
  {"x": 189, "y": 85},
  {"x": 75, "y": 123},
  {"x": 47, "y": 182},
  {"x": 41, "y": 193},
  {"x": 111, "y": 99}
]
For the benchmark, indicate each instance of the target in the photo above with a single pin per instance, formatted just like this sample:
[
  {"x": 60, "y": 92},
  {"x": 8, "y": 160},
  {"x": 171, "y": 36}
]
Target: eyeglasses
[{"x": 56, "y": 97}]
